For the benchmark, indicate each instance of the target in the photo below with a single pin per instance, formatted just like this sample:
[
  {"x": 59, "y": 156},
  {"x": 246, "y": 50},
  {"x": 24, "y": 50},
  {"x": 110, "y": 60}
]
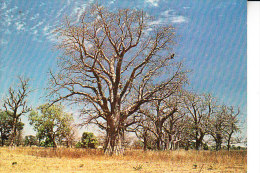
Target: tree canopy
[
  {"x": 51, "y": 123},
  {"x": 113, "y": 63}
]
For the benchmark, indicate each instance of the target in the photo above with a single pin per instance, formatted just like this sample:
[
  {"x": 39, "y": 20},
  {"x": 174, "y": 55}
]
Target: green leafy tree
[
  {"x": 30, "y": 140},
  {"x": 88, "y": 140},
  {"x": 51, "y": 124},
  {"x": 6, "y": 124}
]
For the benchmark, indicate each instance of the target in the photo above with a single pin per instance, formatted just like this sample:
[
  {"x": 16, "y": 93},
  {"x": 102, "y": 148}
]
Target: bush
[
  {"x": 205, "y": 146},
  {"x": 79, "y": 145},
  {"x": 88, "y": 140}
]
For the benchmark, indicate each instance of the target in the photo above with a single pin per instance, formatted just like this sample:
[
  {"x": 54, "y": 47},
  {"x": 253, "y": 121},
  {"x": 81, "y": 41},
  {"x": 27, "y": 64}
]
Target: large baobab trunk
[
  {"x": 159, "y": 137},
  {"x": 114, "y": 143}
]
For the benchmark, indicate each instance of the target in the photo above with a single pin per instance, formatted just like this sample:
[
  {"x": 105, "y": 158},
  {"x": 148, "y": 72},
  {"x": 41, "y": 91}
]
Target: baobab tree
[
  {"x": 232, "y": 118},
  {"x": 218, "y": 124},
  {"x": 112, "y": 65},
  {"x": 157, "y": 113},
  {"x": 16, "y": 105},
  {"x": 224, "y": 125},
  {"x": 174, "y": 128},
  {"x": 200, "y": 108}
]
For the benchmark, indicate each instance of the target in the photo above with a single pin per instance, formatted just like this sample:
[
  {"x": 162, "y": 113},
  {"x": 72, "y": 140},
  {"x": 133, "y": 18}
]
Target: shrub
[{"x": 79, "y": 145}]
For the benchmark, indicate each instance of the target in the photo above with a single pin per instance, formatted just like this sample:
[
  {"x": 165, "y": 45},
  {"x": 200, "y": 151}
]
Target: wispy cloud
[
  {"x": 19, "y": 26},
  {"x": 37, "y": 25},
  {"x": 78, "y": 11},
  {"x": 61, "y": 10},
  {"x": 179, "y": 19},
  {"x": 35, "y": 16},
  {"x": 3, "y": 42},
  {"x": 153, "y": 2},
  {"x": 172, "y": 17},
  {"x": 4, "y": 6},
  {"x": 112, "y": 2},
  {"x": 46, "y": 28},
  {"x": 168, "y": 17},
  {"x": 185, "y": 8}
]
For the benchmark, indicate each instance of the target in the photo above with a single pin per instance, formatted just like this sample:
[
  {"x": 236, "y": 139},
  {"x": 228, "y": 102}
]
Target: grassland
[{"x": 23, "y": 159}]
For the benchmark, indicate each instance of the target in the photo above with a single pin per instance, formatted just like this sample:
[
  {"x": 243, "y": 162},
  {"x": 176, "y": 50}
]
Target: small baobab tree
[
  {"x": 231, "y": 116},
  {"x": 16, "y": 105},
  {"x": 200, "y": 108},
  {"x": 157, "y": 114},
  {"x": 113, "y": 64}
]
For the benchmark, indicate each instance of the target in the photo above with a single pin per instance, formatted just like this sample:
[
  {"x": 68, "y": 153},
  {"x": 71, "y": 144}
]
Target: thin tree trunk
[
  {"x": 12, "y": 143},
  {"x": 145, "y": 141},
  {"x": 229, "y": 139}
]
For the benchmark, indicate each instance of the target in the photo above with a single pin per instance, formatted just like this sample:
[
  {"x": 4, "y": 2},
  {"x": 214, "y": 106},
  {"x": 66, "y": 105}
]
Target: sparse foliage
[
  {"x": 112, "y": 66},
  {"x": 199, "y": 109},
  {"x": 16, "y": 105}
]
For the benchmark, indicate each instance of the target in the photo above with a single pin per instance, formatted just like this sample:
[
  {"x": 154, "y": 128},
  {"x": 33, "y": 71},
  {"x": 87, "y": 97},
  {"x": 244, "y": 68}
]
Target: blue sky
[{"x": 210, "y": 37}]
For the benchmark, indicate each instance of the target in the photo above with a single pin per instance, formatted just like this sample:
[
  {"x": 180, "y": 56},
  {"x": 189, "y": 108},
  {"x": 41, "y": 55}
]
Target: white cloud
[
  {"x": 112, "y": 2},
  {"x": 60, "y": 11},
  {"x": 7, "y": 31},
  {"x": 186, "y": 8},
  {"x": 166, "y": 13},
  {"x": 170, "y": 16},
  {"x": 3, "y": 42},
  {"x": 179, "y": 19},
  {"x": 19, "y": 26},
  {"x": 11, "y": 10},
  {"x": 37, "y": 25},
  {"x": 46, "y": 28},
  {"x": 4, "y": 6},
  {"x": 153, "y": 2},
  {"x": 156, "y": 22},
  {"x": 168, "y": 19},
  {"x": 78, "y": 11},
  {"x": 52, "y": 38},
  {"x": 35, "y": 16},
  {"x": 35, "y": 32},
  {"x": 42, "y": 4}
]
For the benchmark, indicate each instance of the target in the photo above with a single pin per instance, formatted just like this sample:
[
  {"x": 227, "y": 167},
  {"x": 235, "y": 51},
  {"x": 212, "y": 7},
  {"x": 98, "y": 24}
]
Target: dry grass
[{"x": 83, "y": 160}]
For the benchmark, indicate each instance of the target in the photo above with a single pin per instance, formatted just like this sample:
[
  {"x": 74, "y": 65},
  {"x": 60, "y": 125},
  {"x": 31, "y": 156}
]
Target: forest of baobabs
[{"x": 120, "y": 87}]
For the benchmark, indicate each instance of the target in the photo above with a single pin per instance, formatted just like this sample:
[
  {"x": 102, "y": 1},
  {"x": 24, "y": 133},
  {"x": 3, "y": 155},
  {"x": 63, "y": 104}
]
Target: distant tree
[
  {"x": 15, "y": 105},
  {"x": 199, "y": 108},
  {"x": 51, "y": 123},
  {"x": 5, "y": 126},
  {"x": 88, "y": 140},
  {"x": 112, "y": 66},
  {"x": 19, "y": 137},
  {"x": 175, "y": 130},
  {"x": 218, "y": 125},
  {"x": 231, "y": 115},
  {"x": 70, "y": 135},
  {"x": 160, "y": 111},
  {"x": 142, "y": 131},
  {"x": 30, "y": 140}
]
